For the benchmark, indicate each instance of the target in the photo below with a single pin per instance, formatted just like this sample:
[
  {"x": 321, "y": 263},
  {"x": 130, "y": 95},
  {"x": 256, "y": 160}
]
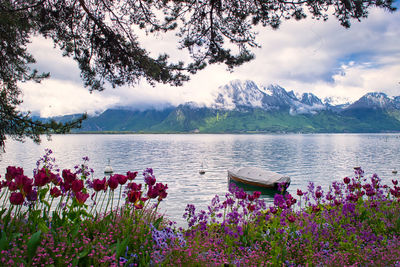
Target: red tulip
[
  {"x": 131, "y": 175},
  {"x": 16, "y": 198},
  {"x": 81, "y": 197},
  {"x": 55, "y": 192},
  {"x": 77, "y": 185},
  {"x": 112, "y": 182}
]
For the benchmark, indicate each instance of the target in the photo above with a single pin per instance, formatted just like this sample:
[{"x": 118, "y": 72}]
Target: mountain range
[{"x": 245, "y": 107}]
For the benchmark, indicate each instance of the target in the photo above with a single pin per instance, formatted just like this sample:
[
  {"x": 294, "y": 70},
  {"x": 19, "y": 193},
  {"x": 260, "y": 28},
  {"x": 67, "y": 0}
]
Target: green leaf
[
  {"x": 43, "y": 227},
  {"x": 42, "y": 193},
  {"x": 121, "y": 247},
  {"x": 3, "y": 241},
  {"x": 33, "y": 244},
  {"x": 74, "y": 232},
  {"x": 45, "y": 202},
  {"x": 157, "y": 222},
  {"x": 2, "y": 212}
]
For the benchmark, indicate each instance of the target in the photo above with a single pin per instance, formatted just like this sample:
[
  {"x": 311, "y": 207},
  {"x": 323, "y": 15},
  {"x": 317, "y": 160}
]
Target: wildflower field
[{"x": 69, "y": 218}]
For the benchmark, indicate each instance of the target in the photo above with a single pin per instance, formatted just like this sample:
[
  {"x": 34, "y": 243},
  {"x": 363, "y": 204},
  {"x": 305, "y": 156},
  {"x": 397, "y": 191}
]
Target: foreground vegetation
[{"x": 68, "y": 218}]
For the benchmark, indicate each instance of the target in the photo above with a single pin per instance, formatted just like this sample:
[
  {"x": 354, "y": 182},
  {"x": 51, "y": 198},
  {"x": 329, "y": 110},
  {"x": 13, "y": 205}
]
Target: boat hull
[{"x": 262, "y": 180}]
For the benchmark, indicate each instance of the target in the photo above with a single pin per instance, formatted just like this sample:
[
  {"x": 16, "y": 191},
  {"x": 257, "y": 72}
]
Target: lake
[{"x": 176, "y": 159}]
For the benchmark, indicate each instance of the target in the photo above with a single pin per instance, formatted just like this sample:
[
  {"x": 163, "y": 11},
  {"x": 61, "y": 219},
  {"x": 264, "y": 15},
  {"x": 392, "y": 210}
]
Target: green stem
[
  {"x": 112, "y": 200},
  {"x": 95, "y": 203},
  {"x": 5, "y": 199},
  {"x": 119, "y": 197},
  {"x": 102, "y": 202},
  {"x": 108, "y": 201},
  {"x": 51, "y": 203},
  {"x": 58, "y": 208}
]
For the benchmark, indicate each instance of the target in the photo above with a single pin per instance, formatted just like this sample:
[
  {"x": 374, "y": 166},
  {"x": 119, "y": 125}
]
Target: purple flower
[
  {"x": 279, "y": 201},
  {"x": 32, "y": 196}
]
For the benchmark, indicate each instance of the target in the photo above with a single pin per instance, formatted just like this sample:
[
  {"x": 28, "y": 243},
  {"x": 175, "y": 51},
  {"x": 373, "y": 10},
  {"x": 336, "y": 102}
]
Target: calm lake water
[{"x": 176, "y": 159}]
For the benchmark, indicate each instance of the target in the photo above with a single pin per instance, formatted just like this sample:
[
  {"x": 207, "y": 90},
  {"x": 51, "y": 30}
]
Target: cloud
[
  {"x": 59, "y": 97},
  {"x": 305, "y": 56}
]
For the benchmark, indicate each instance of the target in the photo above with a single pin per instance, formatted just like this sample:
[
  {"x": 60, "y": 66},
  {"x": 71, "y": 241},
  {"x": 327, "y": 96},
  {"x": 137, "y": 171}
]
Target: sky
[{"x": 304, "y": 56}]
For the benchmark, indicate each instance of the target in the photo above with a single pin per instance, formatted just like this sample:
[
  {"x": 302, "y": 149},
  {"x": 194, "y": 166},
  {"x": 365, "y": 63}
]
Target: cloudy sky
[{"x": 307, "y": 56}]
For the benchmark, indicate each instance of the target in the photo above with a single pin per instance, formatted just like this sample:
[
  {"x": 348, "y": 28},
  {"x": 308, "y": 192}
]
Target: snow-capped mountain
[
  {"x": 238, "y": 94},
  {"x": 247, "y": 94},
  {"x": 376, "y": 100}
]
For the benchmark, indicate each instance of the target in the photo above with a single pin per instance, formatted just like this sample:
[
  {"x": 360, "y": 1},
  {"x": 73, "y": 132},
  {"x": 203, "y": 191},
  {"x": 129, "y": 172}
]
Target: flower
[
  {"x": 299, "y": 192},
  {"x": 99, "y": 185},
  {"x": 346, "y": 180},
  {"x": 55, "y": 192},
  {"x": 41, "y": 177},
  {"x": 77, "y": 185},
  {"x": 134, "y": 196},
  {"x": 256, "y": 194},
  {"x": 149, "y": 179},
  {"x": 68, "y": 176},
  {"x": 32, "y": 196},
  {"x": 273, "y": 210},
  {"x": 13, "y": 171},
  {"x": 112, "y": 182},
  {"x": 291, "y": 218},
  {"x": 81, "y": 197},
  {"x": 279, "y": 201},
  {"x": 131, "y": 175},
  {"x": 152, "y": 192},
  {"x": 121, "y": 179},
  {"x": 16, "y": 198},
  {"x": 134, "y": 186}
]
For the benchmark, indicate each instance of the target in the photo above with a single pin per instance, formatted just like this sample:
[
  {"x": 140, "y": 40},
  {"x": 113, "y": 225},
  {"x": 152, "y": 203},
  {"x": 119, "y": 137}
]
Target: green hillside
[{"x": 205, "y": 120}]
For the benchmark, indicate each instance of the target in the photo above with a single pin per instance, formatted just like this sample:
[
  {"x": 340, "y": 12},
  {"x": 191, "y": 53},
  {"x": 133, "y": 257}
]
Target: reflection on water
[{"x": 176, "y": 159}]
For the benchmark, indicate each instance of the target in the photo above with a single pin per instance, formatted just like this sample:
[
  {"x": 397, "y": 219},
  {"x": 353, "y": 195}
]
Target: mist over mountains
[{"x": 245, "y": 107}]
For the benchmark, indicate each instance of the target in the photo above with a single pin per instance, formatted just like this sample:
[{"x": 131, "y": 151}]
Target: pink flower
[
  {"x": 16, "y": 198},
  {"x": 81, "y": 197}
]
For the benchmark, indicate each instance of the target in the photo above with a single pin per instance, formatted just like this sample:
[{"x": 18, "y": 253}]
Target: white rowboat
[{"x": 259, "y": 177}]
